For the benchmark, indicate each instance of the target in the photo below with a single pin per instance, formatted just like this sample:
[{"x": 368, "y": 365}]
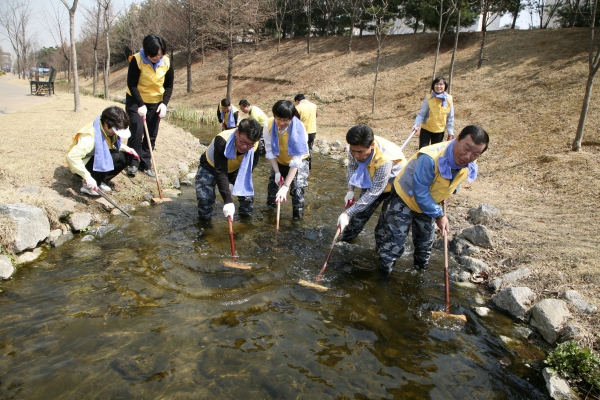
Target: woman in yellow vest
[
  {"x": 436, "y": 114},
  {"x": 286, "y": 147},
  {"x": 97, "y": 154},
  {"x": 373, "y": 163},
  {"x": 149, "y": 88},
  {"x": 228, "y": 164},
  {"x": 431, "y": 176}
]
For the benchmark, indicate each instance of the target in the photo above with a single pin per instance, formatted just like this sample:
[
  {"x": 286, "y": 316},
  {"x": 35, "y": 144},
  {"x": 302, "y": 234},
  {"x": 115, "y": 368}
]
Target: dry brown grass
[
  {"x": 7, "y": 234},
  {"x": 527, "y": 96}
]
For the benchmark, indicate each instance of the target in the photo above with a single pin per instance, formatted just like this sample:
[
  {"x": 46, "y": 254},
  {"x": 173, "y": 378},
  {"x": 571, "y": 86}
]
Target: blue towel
[
  {"x": 446, "y": 164},
  {"x": 146, "y": 60},
  {"x": 230, "y": 118},
  {"x": 243, "y": 182},
  {"x": 361, "y": 178},
  {"x": 441, "y": 96},
  {"x": 297, "y": 145},
  {"x": 103, "y": 161}
]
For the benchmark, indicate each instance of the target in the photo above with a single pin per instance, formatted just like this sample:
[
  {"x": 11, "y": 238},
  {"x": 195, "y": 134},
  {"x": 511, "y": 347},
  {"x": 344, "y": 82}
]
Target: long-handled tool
[
  {"x": 161, "y": 198},
  {"x": 101, "y": 193},
  {"x": 278, "y": 213},
  {"x": 234, "y": 263},
  {"x": 408, "y": 139},
  {"x": 436, "y": 314},
  {"x": 316, "y": 285}
]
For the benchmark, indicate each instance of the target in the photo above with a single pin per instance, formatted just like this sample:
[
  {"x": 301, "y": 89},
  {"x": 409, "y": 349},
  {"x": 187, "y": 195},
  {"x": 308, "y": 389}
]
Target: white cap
[{"x": 122, "y": 133}]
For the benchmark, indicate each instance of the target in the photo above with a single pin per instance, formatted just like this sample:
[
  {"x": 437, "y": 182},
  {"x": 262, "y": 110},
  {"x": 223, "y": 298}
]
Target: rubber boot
[
  {"x": 385, "y": 267},
  {"x": 298, "y": 213}
]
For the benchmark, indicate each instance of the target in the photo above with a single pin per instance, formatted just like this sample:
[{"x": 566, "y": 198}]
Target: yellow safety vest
[
  {"x": 283, "y": 158},
  {"x": 258, "y": 115},
  {"x": 151, "y": 84},
  {"x": 233, "y": 164},
  {"x": 308, "y": 115},
  {"x": 436, "y": 121},
  {"x": 384, "y": 151},
  {"x": 440, "y": 189}
]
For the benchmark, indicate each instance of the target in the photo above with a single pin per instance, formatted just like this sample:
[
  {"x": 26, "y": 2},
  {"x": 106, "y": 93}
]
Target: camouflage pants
[
  {"x": 392, "y": 230},
  {"x": 359, "y": 220},
  {"x": 296, "y": 188},
  {"x": 205, "y": 194}
]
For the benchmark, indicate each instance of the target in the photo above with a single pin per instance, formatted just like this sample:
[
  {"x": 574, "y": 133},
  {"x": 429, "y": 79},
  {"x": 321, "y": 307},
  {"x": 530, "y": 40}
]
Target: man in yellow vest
[
  {"x": 373, "y": 163},
  {"x": 431, "y": 176},
  {"x": 227, "y": 114},
  {"x": 97, "y": 154},
  {"x": 228, "y": 164},
  {"x": 258, "y": 115},
  {"x": 149, "y": 87},
  {"x": 287, "y": 150},
  {"x": 307, "y": 112}
]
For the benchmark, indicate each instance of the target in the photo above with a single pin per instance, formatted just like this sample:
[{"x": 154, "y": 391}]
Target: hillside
[{"x": 527, "y": 96}]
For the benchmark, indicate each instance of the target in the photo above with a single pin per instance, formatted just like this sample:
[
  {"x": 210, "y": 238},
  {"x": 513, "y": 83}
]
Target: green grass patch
[{"x": 580, "y": 366}]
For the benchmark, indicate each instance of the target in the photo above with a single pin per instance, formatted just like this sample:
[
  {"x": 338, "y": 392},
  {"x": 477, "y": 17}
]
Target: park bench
[{"x": 43, "y": 87}]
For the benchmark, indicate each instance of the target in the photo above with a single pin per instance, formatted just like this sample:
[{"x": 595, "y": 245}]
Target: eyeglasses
[
  {"x": 283, "y": 120},
  {"x": 244, "y": 143}
]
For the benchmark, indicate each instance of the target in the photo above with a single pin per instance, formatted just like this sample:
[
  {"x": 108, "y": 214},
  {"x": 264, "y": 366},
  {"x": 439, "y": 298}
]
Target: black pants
[
  {"x": 358, "y": 221},
  {"x": 425, "y": 137},
  {"x": 120, "y": 160},
  {"x": 311, "y": 141},
  {"x": 138, "y": 141}
]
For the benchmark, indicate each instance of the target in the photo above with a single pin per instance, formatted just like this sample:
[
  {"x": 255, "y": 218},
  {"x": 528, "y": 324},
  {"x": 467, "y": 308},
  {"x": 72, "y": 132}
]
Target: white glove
[
  {"x": 132, "y": 152},
  {"x": 229, "y": 210},
  {"x": 161, "y": 110},
  {"x": 281, "y": 194},
  {"x": 450, "y": 136},
  {"x": 142, "y": 111},
  {"x": 343, "y": 221},
  {"x": 415, "y": 127},
  {"x": 349, "y": 199},
  {"x": 278, "y": 179},
  {"x": 91, "y": 184}
]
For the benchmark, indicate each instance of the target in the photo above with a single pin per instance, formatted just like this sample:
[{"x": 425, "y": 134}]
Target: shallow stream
[{"x": 146, "y": 312}]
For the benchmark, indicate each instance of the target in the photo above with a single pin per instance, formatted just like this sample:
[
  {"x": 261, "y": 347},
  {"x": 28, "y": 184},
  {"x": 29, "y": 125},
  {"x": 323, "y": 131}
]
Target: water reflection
[{"x": 147, "y": 312}]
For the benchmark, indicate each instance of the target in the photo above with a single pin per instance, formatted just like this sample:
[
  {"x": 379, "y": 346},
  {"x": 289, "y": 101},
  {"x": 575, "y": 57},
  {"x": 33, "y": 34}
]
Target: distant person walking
[
  {"x": 307, "y": 112},
  {"x": 259, "y": 116},
  {"x": 149, "y": 88},
  {"x": 97, "y": 154},
  {"x": 227, "y": 114},
  {"x": 436, "y": 114}
]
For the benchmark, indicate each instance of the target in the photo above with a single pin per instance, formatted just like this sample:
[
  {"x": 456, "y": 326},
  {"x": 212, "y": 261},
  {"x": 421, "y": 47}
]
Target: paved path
[{"x": 15, "y": 96}]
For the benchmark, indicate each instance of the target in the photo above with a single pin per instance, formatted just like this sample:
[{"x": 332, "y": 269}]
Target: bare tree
[
  {"x": 381, "y": 26},
  {"x": 459, "y": 8},
  {"x": 187, "y": 30},
  {"x": 14, "y": 19},
  {"x": 72, "y": 10},
  {"x": 107, "y": 16},
  {"x": 514, "y": 8},
  {"x": 56, "y": 26},
  {"x": 441, "y": 29},
  {"x": 276, "y": 10},
  {"x": 354, "y": 8},
  {"x": 593, "y": 63},
  {"x": 308, "y": 7},
  {"x": 546, "y": 10},
  {"x": 231, "y": 18},
  {"x": 490, "y": 10},
  {"x": 92, "y": 31}
]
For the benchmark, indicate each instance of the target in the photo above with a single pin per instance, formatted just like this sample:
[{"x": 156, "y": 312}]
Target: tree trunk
[
  {"x": 455, "y": 48},
  {"x": 514, "y": 21},
  {"x": 309, "y": 29},
  {"x": 439, "y": 41},
  {"x": 189, "y": 69},
  {"x": 107, "y": 67},
  {"x": 481, "y": 49},
  {"x": 95, "y": 78},
  {"x": 584, "y": 109},
  {"x": 375, "y": 82},
  {"x": 230, "y": 54},
  {"x": 74, "y": 56}
]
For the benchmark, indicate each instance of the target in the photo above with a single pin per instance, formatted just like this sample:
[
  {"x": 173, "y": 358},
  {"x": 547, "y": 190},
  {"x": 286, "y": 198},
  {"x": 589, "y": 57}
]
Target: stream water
[{"x": 146, "y": 312}]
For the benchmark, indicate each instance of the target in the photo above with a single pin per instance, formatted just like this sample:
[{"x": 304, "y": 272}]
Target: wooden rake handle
[
  {"x": 337, "y": 233},
  {"x": 446, "y": 277},
  {"x": 230, "y": 220},
  {"x": 152, "y": 157}
]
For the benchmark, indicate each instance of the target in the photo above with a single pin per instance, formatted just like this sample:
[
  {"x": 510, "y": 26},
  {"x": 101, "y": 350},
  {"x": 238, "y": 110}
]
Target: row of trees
[{"x": 193, "y": 27}]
